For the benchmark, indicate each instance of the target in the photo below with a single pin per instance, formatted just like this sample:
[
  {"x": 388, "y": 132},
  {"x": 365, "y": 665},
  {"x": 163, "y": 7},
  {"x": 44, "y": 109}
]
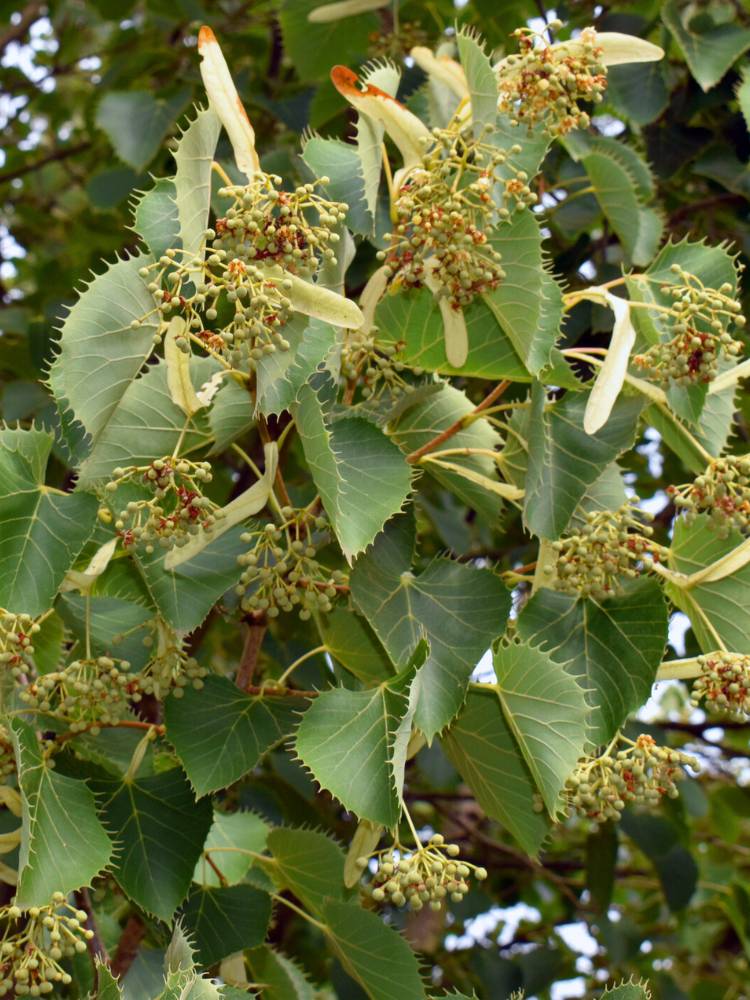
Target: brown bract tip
[
  {"x": 346, "y": 82},
  {"x": 205, "y": 36}
]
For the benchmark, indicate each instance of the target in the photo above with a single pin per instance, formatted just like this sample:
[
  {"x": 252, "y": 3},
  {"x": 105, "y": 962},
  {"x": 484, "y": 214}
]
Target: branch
[
  {"x": 128, "y": 945},
  {"x": 256, "y": 631},
  {"x": 54, "y": 156},
  {"x": 95, "y": 944},
  {"x": 29, "y": 14},
  {"x": 459, "y": 424}
]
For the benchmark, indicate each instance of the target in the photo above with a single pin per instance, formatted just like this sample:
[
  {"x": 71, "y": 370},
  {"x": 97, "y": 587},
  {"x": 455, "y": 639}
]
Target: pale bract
[
  {"x": 344, "y": 8},
  {"x": 611, "y": 375},
  {"x": 306, "y": 297},
  {"x": 179, "y": 383},
  {"x": 442, "y": 68},
  {"x": 408, "y": 132},
  {"x": 617, "y": 49}
]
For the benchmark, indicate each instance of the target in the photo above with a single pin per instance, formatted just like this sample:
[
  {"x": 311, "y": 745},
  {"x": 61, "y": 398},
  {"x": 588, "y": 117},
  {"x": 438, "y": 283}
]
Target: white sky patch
[
  {"x": 568, "y": 988},
  {"x": 484, "y": 672},
  {"x": 679, "y": 625}
]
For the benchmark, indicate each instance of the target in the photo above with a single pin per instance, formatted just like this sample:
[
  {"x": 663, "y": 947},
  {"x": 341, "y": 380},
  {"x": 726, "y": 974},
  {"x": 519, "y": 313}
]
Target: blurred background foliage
[{"x": 90, "y": 92}]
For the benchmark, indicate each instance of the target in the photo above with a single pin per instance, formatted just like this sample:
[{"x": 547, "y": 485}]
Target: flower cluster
[
  {"x": 281, "y": 569},
  {"x": 84, "y": 693},
  {"x": 724, "y": 683},
  {"x": 34, "y": 942},
  {"x": 430, "y": 873},
  {"x": 699, "y": 322},
  {"x": 547, "y": 83},
  {"x": 169, "y": 669},
  {"x": 609, "y": 546},
  {"x": 16, "y": 648},
  {"x": 365, "y": 359},
  {"x": 177, "y": 509},
  {"x": 443, "y": 212},
  {"x": 241, "y": 303},
  {"x": 7, "y": 755},
  {"x": 398, "y": 43},
  {"x": 723, "y": 492},
  {"x": 641, "y": 773}
]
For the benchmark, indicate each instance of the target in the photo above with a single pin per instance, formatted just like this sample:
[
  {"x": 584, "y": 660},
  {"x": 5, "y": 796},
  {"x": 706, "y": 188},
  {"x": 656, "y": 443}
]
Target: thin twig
[
  {"x": 459, "y": 424},
  {"x": 16, "y": 32},
  {"x": 54, "y": 156}
]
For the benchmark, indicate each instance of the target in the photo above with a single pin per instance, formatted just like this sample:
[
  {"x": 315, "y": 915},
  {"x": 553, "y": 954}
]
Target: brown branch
[
  {"x": 54, "y": 156},
  {"x": 519, "y": 858},
  {"x": 459, "y": 424},
  {"x": 16, "y": 32},
  {"x": 697, "y": 206},
  {"x": 280, "y": 692},
  {"x": 256, "y": 630},
  {"x": 95, "y": 944},
  {"x": 128, "y": 945}
]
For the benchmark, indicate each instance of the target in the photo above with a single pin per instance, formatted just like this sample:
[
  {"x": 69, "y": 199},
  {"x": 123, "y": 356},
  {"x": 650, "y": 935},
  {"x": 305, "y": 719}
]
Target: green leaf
[
  {"x": 108, "y": 988},
  {"x": 48, "y": 643},
  {"x": 743, "y": 95},
  {"x": 243, "y": 830},
  {"x": 220, "y": 733},
  {"x": 421, "y": 422},
  {"x": 528, "y": 302},
  {"x": 281, "y": 375},
  {"x": 638, "y": 91},
  {"x": 374, "y": 955},
  {"x": 161, "y": 830},
  {"x": 545, "y": 709},
  {"x": 307, "y": 863},
  {"x": 136, "y": 122},
  {"x": 282, "y": 979},
  {"x": 480, "y": 78},
  {"x": 483, "y": 749},
  {"x": 709, "y": 49},
  {"x": 341, "y": 163},
  {"x": 100, "y": 354},
  {"x": 616, "y": 190},
  {"x": 350, "y": 640},
  {"x": 369, "y": 730},
  {"x": 564, "y": 461},
  {"x": 459, "y": 610},
  {"x": 601, "y": 860},
  {"x": 628, "y": 991},
  {"x": 581, "y": 144},
  {"x": 362, "y": 477},
  {"x": 660, "y": 840},
  {"x": 224, "y": 920},
  {"x": 719, "y": 611},
  {"x": 63, "y": 844},
  {"x": 117, "y": 627},
  {"x": 314, "y": 47},
  {"x": 184, "y": 596},
  {"x": 193, "y": 158},
  {"x": 614, "y": 646},
  {"x": 145, "y": 424},
  {"x": 41, "y": 531},
  {"x": 231, "y": 415},
  {"x": 414, "y": 318},
  {"x": 155, "y": 217}
]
